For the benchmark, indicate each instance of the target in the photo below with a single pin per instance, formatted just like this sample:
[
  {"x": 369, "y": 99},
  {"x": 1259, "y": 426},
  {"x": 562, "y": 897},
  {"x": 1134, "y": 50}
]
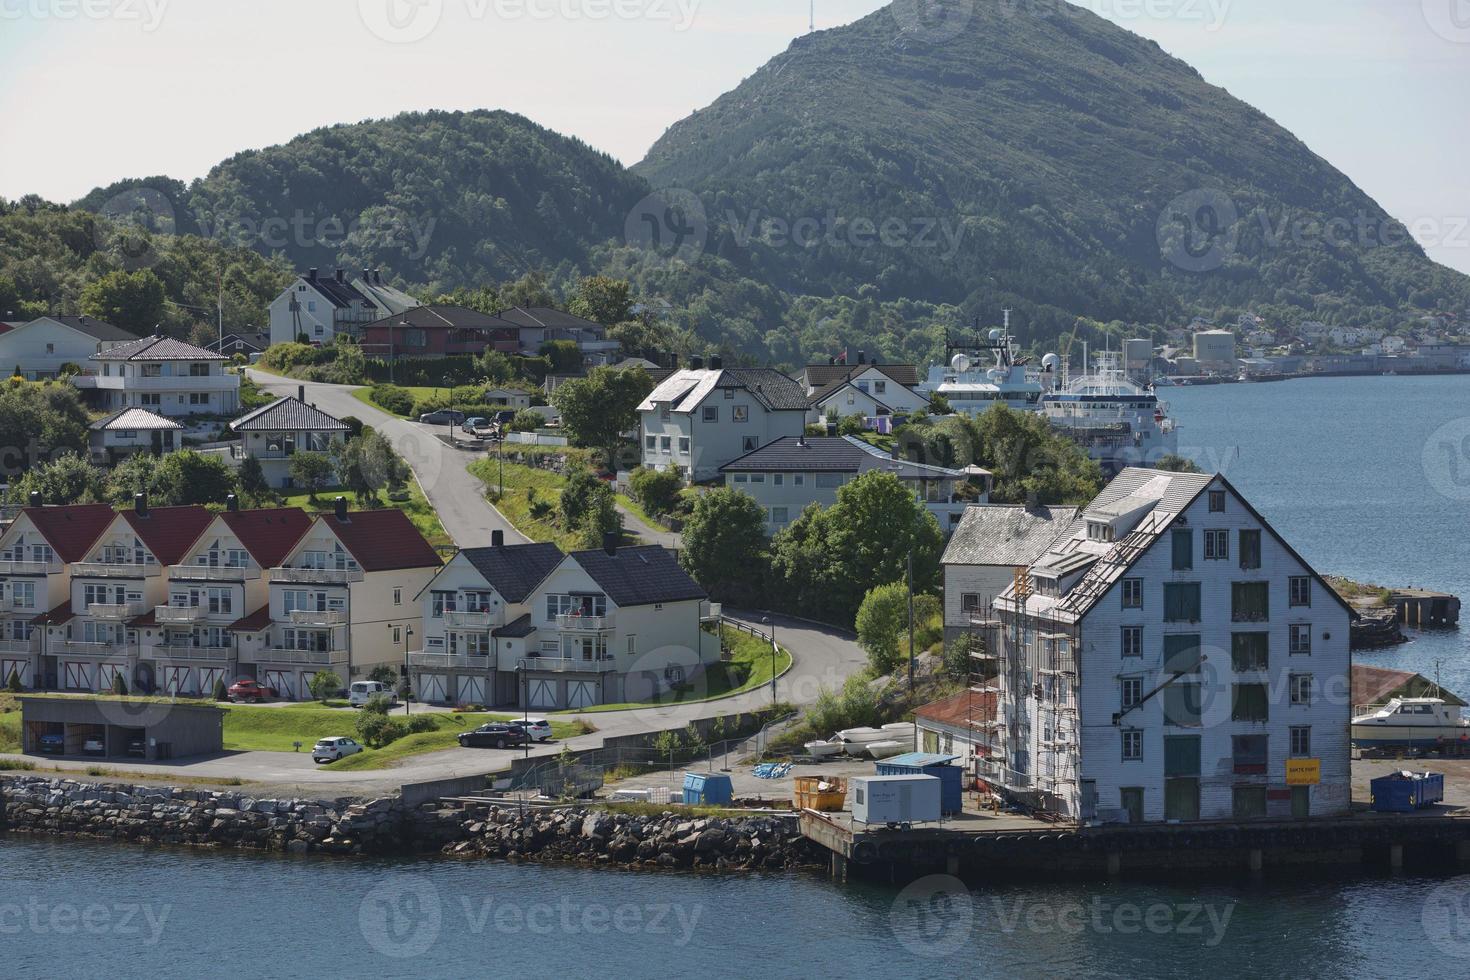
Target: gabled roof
[
  {"x": 268, "y": 534},
  {"x": 382, "y": 540},
  {"x": 831, "y": 454},
  {"x": 1377, "y": 685},
  {"x": 55, "y": 617},
  {"x": 99, "y": 330},
  {"x": 168, "y": 532},
  {"x": 158, "y": 348},
  {"x": 518, "y": 628},
  {"x": 822, "y": 395},
  {"x": 253, "y": 623},
  {"x": 443, "y": 316},
  {"x": 968, "y": 710},
  {"x": 133, "y": 420},
  {"x": 339, "y": 294},
  {"x": 687, "y": 388},
  {"x": 827, "y": 375},
  {"x": 1006, "y": 534},
  {"x": 515, "y": 570},
  {"x": 72, "y": 529},
  {"x": 546, "y": 318},
  {"x": 285, "y": 415},
  {"x": 639, "y": 576}
]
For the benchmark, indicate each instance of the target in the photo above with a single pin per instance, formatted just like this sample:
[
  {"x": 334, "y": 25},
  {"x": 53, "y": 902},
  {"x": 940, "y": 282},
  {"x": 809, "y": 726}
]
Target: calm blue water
[
  {"x": 72, "y": 909},
  {"x": 1366, "y": 477}
]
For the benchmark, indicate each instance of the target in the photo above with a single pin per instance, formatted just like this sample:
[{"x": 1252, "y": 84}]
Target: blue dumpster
[
  {"x": 1405, "y": 792},
  {"x": 707, "y": 788},
  {"x": 951, "y": 778}
]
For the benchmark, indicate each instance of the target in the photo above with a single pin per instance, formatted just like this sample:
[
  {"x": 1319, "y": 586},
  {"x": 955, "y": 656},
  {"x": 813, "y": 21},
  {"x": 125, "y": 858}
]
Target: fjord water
[{"x": 1367, "y": 477}]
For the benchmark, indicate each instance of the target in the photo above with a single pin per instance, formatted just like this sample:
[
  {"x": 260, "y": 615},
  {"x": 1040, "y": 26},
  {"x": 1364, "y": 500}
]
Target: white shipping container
[{"x": 895, "y": 799}]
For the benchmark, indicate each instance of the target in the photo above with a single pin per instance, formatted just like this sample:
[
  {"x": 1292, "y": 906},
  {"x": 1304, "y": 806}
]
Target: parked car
[
  {"x": 444, "y": 416},
  {"x": 475, "y": 424},
  {"x": 52, "y": 745},
  {"x": 495, "y": 735},
  {"x": 536, "y": 729},
  {"x": 248, "y": 690},
  {"x": 503, "y": 417},
  {"x": 94, "y": 746},
  {"x": 361, "y": 692},
  {"x": 137, "y": 748},
  {"x": 332, "y": 749}
]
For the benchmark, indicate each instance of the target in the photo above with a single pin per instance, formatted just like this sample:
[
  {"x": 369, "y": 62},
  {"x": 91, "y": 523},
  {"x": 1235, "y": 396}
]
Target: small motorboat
[
  {"x": 823, "y": 749},
  {"x": 882, "y": 750},
  {"x": 899, "y": 729},
  {"x": 1411, "y": 723},
  {"x": 861, "y": 736}
]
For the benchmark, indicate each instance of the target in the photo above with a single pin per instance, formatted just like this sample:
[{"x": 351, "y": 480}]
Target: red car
[{"x": 247, "y": 690}]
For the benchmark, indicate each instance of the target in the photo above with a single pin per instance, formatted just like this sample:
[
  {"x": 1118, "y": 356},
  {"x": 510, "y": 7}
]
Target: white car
[
  {"x": 332, "y": 749},
  {"x": 537, "y": 729},
  {"x": 361, "y": 692}
]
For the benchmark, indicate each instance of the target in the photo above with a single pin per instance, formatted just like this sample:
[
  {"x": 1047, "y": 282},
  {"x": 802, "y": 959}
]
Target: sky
[{"x": 98, "y": 90}]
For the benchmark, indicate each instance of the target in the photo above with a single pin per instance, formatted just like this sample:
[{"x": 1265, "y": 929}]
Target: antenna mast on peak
[{"x": 812, "y": 25}]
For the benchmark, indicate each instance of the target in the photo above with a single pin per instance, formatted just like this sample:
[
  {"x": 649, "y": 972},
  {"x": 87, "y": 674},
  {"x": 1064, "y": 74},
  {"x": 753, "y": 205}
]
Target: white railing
[
  {"x": 173, "y": 382},
  {"x": 214, "y": 573},
  {"x": 316, "y": 576},
  {"x": 445, "y": 661},
  {"x": 184, "y": 652},
  {"x": 568, "y": 665},
  {"x": 107, "y": 569},
  {"x": 323, "y": 617},
  {"x": 590, "y": 623},
  {"x": 178, "y": 614},
  {"x": 472, "y": 620},
  {"x": 77, "y": 648},
  {"x": 32, "y": 645},
  {"x": 30, "y": 568},
  {"x": 116, "y": 610},
  {"x": 277, "y": 655}
]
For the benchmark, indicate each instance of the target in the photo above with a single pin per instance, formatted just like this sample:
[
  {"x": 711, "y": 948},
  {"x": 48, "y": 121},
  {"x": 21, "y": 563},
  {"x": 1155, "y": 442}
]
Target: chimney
[
  {"x": 301, "y": 393},
  {"x": 674, "y": 360},
  {"x": 610, "y": 542},
  {"x": 232, "y": 504},
  {"x": 377, "y": 277},
  {"x": 831, "y": 362},
  {"x": 717, "y": 362},
  {"x": 140, "y": 504},
  {"x": 862, "y": 357},
  {"x": 367, "y": 276},
  {"x": 497, "y": 539},
  {"x": 339, "y": 506},
  {"x": 35, "y": 498},
  {"x": 311, "y": 275},
  {"x": 340, "y": 274},
  {"x": 696, "y": 363}
]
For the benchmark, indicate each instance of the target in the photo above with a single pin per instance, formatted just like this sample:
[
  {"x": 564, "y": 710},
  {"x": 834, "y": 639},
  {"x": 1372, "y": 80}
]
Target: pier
[{"x": 1420, "y": 609}]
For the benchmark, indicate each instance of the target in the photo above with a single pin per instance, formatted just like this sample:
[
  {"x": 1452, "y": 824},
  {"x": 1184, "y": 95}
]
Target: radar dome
[
  {"x": 997, "y": 334},
  {"x": 960, "y": 364},
  {"x": 1050, "y": 362}
]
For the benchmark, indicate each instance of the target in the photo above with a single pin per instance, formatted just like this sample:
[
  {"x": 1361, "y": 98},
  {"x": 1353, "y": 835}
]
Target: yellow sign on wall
[{"x": 1303, "y": 772}]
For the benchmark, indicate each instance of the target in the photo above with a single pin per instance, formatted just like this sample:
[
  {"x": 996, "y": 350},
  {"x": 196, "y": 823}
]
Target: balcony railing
[
  {"x": 214, "y": 573},
  {"x": 20, "y": 647},
  {"x": 563, "y": 665},
  {"x": 316, "y": 576},
  {"x": 107, "y": 569},
  {"x": 78, "y": 648},
  {"x": 116, "y": 610},
  {"x": 173, "y": 382},
  {"x": 588, "y": 623},
  {"x": 178, "y": 614},
  {"x": 445, "y": 661},
  {"x": 323, "y": 617},
  {"x": 482, "y": 619},
  {"x": 30, "y": 568},
  {"x": 185, "y": 652},
  {"x": 278, "y": 655}
]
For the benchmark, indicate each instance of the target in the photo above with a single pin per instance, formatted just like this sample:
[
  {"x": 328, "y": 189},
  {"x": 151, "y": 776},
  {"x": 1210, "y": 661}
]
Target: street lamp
[
  {"x": 897, "y": 470},
  {"x": 407, "y": 677},
  {"x": 766, "y": 621}
]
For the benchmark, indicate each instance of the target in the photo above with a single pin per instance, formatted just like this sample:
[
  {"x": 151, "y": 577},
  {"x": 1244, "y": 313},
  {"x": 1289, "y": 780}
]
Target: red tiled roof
[
  {"x": 268, "y": 534},
  {"x": 71, "y": 530},
  {"x": 382, "y": 540},
  {"x": 253, "y": 623},
  {"x": 169, "y": 531},
  {"x": 61, "y": 614},
  {"x": 963, "y": 710},
  {"x": 1376, "y": 685}
]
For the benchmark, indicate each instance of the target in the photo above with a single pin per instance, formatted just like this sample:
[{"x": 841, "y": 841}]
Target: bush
[
  {"x": 13, "y": 685},
  {"x": 377, "y": 730},
  {"x": 657, "y": 490},
  {"x": 378, "y": 704},
  {"x": 420, "y": 724},
  {"x": 324, "y": 684},
  {"x": 855, "y": 706},
  {"x": 220, "y": 693},
  {"x": 392, "y": 398},
  {"x": 289, "y": 357},
  {"x": 119, "y": 686},
  {"x": 526, "y": 421},
  {"x": 385, "y": 674}
]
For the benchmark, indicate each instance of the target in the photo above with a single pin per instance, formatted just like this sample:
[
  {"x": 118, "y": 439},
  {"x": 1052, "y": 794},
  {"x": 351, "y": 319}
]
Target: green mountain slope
[{"x": 1071, "y": 168}]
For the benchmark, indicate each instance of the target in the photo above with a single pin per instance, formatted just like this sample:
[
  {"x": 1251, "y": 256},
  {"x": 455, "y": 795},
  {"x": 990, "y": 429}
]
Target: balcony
[
  {"x": 315, "y": 576},
  {"x": 30, "y": 568},
  {"x": 173, "y": 382},
  {"x": 214, "y": 573},
  {"x": 473, "y": 620},
  {"x": 213, "y": 655},
  {"x": 279, "y": 655},
  {"x": 183, "y": 615},
  {"x": 20, "y": 647},
  {"x": 567, "y": 665},
  {"x": 107, "y": 569},
  {"x": 78, "y": 648},
  {"x": 588, "y": 624},
  {"x": 446, "y": 661},
  {"x": 116, "y": 611},
  {"x": 322, "y": 617}
]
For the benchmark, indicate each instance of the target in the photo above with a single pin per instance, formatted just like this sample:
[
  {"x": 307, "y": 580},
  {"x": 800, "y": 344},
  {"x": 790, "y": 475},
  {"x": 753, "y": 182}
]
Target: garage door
[
  {"x": 543, "y": 694},
  {"x": 177, "y": 680},
  {"x": 107, "y": 675},
  {"x": 433, "y": 688},
  {"x": 208, "y": 677},
  {"x": 581, "y": 694},
  {"x": 471, "y": 690},
  {"x": 19, "y": 668},
  {"x": 284, "y": 681},
  {"x": 78, "y": 676}
]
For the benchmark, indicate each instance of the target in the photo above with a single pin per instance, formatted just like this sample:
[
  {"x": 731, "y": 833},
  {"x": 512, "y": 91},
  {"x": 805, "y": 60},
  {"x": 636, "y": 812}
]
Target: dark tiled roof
[
  {"x": 1006, "y": 534},
  {"x": 826, "y": 375},
  {"x": 61, "y": 614},
  {"x": 383, "y": 540},
  {"x": 268, "y": 534},
  {"x": 286, "y": 415},
  {"x": 157, "y": 348},
  {"x": 96, "y": 329},
  {"x": 770, "y": 387},
  {"x": 514, "y": 570},
  {"x": 133, "y": 420},
  {"x": 253, "y": 623},
  {"x": 443, "y": 316},
  {"x": 544, "y": 317},
  {"x": 339, "y": 294},
  {"x": 169, "y": 531},
  {"x": 517, "y": 629},
  {"x": 70, "y": 530},
  {"x": 826, "y": 454},
  {"x": 639, "y": 576},
  {"x": 149, "y": 618}
]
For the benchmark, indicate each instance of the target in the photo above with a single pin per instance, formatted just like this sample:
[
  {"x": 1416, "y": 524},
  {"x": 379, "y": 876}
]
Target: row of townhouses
[
  {"x": 174, "y": 599},
  {"x": 1160, "y": 654}
]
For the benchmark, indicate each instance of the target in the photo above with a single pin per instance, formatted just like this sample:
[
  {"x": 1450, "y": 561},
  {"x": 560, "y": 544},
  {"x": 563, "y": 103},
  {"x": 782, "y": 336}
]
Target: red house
[{"x": 438, "y": 331}]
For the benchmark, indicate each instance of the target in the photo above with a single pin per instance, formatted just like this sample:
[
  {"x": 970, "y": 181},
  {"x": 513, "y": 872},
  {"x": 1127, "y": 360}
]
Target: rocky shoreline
[{"x": 387, "y": 826}]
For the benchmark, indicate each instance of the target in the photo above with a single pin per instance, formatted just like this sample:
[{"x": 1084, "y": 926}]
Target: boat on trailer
[
  {"x": 1411, "y": 723},
  {"x": 824, "y": 749}
]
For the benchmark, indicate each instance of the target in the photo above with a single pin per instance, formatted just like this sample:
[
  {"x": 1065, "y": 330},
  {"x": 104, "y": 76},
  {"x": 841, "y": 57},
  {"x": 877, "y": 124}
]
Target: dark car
[
  {"x": 52, "y": 744},
  {"x": 137, "y": 748},
  {"x": 503, "y": 417},
  {"x": 444, "y": 416},
  {"x": 493, "y": 736}
]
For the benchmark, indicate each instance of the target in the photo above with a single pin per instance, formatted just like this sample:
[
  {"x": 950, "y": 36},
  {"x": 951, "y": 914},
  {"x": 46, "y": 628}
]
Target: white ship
[
  {"x": 984, "y": 371},
  {"x": 1410, "y": 723},
  {"x": 1119, "y": 422}
]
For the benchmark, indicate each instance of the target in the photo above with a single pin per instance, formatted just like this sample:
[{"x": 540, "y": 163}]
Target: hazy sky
[{"x": 96, "y": 90}]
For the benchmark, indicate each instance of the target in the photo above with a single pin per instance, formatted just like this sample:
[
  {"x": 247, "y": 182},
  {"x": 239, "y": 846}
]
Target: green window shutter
[
  {"x": 1182, "y": 602},
  {"x": 1183, "y": 551},
  {"x": 1250, "y": 651},
  {"x": 1181, "y": 755},
  {"x": 1249, "y": 703},
  {"x": 1182, "y": 705},
  {"x": 1181, "y": 653}
]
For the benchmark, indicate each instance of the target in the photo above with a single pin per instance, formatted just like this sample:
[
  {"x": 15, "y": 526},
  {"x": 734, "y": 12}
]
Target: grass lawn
[
  {"x": 636, "y": 509},
  {"x": 751, "y": 652},
  {"x": 517, "y": 507},
  {"x": 417, "y": 508},
  {"x": 419, "y": 394},
  {"x": 447, "y": 737},
  {"x": 9, "y": 723}
]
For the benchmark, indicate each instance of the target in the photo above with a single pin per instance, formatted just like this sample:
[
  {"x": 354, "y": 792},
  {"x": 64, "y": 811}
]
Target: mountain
[
  {"x": 1030, "y": 153},
  {"x": 436, "y": 199}
]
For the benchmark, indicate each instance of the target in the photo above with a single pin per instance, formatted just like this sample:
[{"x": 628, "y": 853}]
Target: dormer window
[{"x": 1099, "y": 531}]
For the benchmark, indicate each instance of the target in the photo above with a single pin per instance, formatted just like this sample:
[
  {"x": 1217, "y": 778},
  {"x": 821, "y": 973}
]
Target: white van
[{"x": 361, "y": 692}]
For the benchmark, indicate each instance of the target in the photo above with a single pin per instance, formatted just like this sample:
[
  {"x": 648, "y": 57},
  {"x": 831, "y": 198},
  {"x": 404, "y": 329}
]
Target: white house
[
  {"x": 38, "y": 349},
  {"x": 697, "y": 419},
  {"x": 166, "y": 376},
  {"x": 528, "y": 626},
  {"x": 132, "y": 430},
  {"x": 320, "y": 307},
  {"x": 278, "y": 431},
  {"x": 1172, "y": 658},
  {"x": 867, "y": 390},
  {"x": 992, "y": 543},
  {"x": 787, "y": 475}
]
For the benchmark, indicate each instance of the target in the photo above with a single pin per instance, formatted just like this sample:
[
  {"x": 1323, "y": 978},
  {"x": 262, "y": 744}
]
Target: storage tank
[{"x": 895, "y": 799}]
